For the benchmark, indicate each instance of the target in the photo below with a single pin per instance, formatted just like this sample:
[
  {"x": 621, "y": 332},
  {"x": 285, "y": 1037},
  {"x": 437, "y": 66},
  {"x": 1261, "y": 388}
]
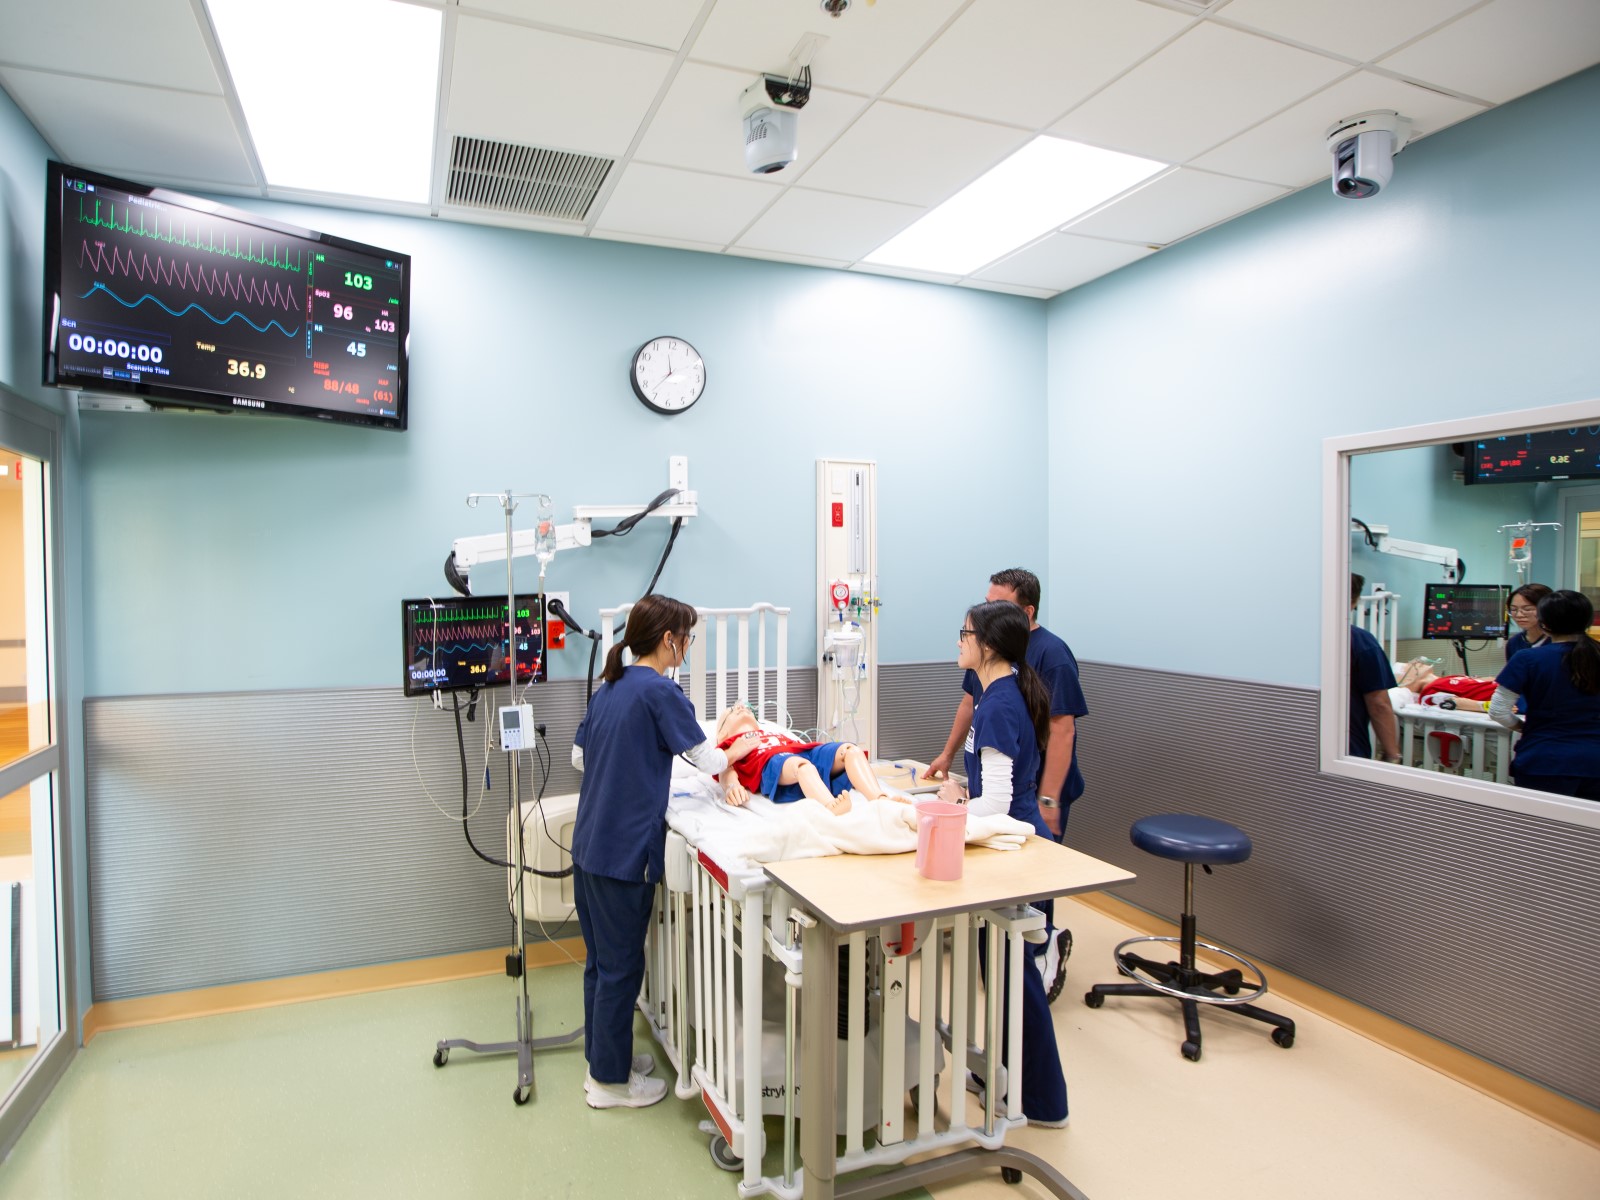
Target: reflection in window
[{"x": 25, "y": 715}]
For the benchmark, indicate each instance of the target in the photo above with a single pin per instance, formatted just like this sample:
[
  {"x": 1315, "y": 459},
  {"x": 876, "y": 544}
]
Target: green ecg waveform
[{"x": 245, "y": 251}]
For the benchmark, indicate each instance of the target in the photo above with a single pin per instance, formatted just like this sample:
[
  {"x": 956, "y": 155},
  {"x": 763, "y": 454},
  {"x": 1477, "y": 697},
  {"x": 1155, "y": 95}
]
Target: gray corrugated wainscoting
[
  {"x": 243, "y": 837},
  {"x": 250, "y": 836}
]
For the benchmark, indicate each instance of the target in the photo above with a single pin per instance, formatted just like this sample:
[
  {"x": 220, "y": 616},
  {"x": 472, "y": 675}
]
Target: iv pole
[{"x": 517, "y": 963}]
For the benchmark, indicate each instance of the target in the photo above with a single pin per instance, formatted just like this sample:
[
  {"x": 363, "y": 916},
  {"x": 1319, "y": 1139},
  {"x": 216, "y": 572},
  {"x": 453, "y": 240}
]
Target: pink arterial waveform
[{"x": 101, "y": 259}]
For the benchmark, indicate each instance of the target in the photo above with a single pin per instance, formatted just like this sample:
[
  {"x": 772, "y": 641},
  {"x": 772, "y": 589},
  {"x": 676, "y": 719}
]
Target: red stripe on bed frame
[
  {"x": 716, "y": 872},
  {"x": 722, "y": 1122}
]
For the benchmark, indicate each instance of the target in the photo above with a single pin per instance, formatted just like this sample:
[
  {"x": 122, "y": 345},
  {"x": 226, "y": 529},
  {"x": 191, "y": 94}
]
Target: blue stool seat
[{"x": 1191, "y": 839}]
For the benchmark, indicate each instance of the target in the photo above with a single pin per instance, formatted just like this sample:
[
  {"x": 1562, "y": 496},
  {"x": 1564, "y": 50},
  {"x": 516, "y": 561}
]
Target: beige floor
[{"x": 337, "y": 1098}]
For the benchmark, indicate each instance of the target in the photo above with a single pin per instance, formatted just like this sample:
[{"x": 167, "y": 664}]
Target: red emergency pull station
[{"x": 838, "y": 515}]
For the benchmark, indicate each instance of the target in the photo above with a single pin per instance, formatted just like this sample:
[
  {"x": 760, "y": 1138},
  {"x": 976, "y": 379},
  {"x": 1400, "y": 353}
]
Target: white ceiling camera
[
  {"x": 770, "y": 107},
  {"x": 1363, "y": 148}
]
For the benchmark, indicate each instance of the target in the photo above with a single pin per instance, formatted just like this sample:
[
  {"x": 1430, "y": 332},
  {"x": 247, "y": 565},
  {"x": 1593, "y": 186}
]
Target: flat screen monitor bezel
[
  {"x": 158, "y": 396},
  {"x": 541, "y": 675},
  {"x": 1503, "y": 588}
]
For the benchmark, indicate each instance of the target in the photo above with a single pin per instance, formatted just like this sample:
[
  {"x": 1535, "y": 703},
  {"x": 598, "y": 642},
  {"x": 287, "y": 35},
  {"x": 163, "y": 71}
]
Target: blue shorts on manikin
[
  {"x": 821, "y": 757},
  {"x": 614, "y": 915}
]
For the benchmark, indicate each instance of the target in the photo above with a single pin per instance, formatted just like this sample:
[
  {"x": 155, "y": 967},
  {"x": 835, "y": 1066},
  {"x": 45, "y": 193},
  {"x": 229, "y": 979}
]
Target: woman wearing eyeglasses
[
  {"x": 1560, "y": 746},
  {"x": 638, "y": 720},
  {"x": 1004, "y": 755},
  {"x": 1523, "y": 610}
]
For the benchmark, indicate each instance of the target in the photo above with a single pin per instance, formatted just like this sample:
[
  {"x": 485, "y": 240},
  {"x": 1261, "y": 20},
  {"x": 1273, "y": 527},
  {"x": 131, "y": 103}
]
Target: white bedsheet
[{"x": 762, "y": 831}]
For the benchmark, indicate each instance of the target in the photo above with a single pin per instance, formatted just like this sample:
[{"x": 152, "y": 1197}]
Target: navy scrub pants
[
  {"x": 1044, "y": 1084},
  {"x": 614, "y": 915}
]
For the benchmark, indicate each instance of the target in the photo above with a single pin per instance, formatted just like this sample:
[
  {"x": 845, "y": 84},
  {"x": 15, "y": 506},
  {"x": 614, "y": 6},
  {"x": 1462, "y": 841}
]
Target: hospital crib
[{"x": 716, "y": 938}]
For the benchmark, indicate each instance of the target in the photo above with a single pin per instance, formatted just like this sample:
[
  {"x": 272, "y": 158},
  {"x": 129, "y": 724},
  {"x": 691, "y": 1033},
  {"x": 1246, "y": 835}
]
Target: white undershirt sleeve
[
  {"x": 708, "y": 758},
  {"x": 1503, "y": 708},
  {"x": 995, "y": 768}
]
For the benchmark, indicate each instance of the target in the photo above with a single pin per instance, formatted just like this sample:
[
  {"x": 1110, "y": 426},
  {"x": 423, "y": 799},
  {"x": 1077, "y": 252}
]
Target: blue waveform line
[
  {"x": 100, "y": 287},
  {"x": 467, "y": 649}
]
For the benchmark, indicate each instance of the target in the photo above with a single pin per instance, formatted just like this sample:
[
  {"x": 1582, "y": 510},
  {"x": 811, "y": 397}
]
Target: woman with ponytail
[
  {"x": 1004, "y": 755},
  {"x": 1560, "y": 679},
  {"x": 638, "y": 720}
]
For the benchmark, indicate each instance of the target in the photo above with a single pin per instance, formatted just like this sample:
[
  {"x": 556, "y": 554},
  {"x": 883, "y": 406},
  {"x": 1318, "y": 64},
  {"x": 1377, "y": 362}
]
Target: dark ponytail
[
  {"x": 1563, "y": 614},
  {"x": 1002, "y": 629},
  {"x": 651, "y": 619}
]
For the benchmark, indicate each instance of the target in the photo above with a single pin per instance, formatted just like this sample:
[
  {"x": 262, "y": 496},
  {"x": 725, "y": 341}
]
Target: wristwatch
[{"x": 1049, "y": 802}]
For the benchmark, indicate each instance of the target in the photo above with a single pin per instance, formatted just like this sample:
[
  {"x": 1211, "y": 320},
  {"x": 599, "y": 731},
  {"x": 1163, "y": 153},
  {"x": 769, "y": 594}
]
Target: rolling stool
[{"x": 1191, "y": 840}]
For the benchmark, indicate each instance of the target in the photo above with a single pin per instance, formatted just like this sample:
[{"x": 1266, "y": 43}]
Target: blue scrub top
[
  {"x": 1000, "y": 721},
  {"x": 629, "y": 736},
  {"x": 1053, "y": 660},
  {"x": 1515, "y": 644},
  {"x": 1562, "y": 731},
  {"x": 1369, "y": 672}
]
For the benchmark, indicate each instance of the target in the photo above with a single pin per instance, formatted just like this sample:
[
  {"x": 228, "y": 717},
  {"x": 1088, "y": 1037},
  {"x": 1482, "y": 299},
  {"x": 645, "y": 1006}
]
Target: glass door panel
[{"x": 26, "y": 719}]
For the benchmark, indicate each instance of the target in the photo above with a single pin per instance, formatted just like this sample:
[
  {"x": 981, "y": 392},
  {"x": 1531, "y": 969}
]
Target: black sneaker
[{"x": 1056, "y": 969}]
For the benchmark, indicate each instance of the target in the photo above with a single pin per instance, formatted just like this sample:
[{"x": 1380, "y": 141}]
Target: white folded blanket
[{"x": 762, "y": 831}]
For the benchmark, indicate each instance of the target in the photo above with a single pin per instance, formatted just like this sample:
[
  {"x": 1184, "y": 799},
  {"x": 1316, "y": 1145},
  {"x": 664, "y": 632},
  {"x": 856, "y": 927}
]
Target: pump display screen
[
  {"x": 1458, "y": 611},
  {"x": 460, "y": 642}
]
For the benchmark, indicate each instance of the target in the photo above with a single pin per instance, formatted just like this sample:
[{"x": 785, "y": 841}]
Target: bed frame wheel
[
  {"x": 440, "y": 1057},
  {"x": 1011, "y": 1174},
  {"x": 722, "y": 1154},
  {"x": 520, "y": 1095}
]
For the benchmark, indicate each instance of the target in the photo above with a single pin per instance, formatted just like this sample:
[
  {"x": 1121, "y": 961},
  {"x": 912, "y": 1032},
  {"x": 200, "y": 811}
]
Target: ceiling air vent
[{"x": 524, "y": 179}]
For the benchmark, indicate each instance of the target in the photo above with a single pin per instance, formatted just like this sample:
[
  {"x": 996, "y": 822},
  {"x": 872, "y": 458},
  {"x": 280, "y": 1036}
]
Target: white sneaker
[
  {"x": 1053, "y": 963},
  {"x": 975, "y": 1083},
  {"x": 639, "y": 1092},
  {"x": 643, "y": 1064}
]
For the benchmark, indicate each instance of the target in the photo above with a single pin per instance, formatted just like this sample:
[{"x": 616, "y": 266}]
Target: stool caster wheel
[
  {"x": 1093, "y": 999},
  {"x": 519, "y": 1097},
  {"x": 1284, "y": 1037},
  {"x": 440, "y": 1057},
  {"x": 1011, "y": 1174},
  {"x": 1191, "y": 1051},
  {"x": 722, "y": 1154}
]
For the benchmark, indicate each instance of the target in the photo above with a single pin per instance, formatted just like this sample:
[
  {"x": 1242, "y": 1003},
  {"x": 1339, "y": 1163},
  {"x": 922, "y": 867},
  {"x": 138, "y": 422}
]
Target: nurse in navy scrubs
[
  {"x": 1560, "y": 746},
  {"x": 1004, "y": 755},
  {"x": 1523, "y": 609},
  {"x": 636, "y": 723}
]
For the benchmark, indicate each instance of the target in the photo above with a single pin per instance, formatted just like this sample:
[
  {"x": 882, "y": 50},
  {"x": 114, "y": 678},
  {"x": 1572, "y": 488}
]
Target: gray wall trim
[{"x": 249, "y": 836}]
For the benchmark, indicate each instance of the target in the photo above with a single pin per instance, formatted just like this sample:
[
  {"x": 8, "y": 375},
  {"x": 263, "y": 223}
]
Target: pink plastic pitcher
[{"x": 941, "y": 839}]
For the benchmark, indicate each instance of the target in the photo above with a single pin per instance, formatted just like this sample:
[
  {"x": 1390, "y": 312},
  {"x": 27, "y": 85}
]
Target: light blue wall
[
  {"x": 1189, "y": 394},
  {"x": 242, "y": 552}
]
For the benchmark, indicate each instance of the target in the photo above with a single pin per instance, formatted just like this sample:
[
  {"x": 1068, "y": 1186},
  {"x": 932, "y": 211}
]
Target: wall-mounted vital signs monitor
[
  {"x": 179, "y": 302},
  {"x": 459, "y": 642},
  {"x": 1528, "y": 457},
  {"x": 1464, "y": 611}
]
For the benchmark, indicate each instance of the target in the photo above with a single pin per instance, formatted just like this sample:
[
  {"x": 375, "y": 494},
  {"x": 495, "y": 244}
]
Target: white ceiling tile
[
  {"x": 1359, "y": 29},
  {"x": 1291, "y": 148},
  {"x": 664, "y": 202},
  {"x": 545, "y": 89},
  {"x": 911, "y": 155},
  {"x": 664, "y": 23},
  {"x": 161, "y": 44},
  {"x": 865, "y": 48},
  {"x": 128, "y": 130},
  {"x": 1063, "y": 261},
  {"x": 827, "y": 226},
  {"x": 1175, "y": 206},
  {"x": 1202, "y": 89},
  {"x": 904, "y": 273},
  {"x": 804, "y": 260},
  {"x": 1029, "y": 61},
  {"x": 1507, "y": 48},
  {"x": 641, "y": 239},
  {"x": 698, "y": 124}
]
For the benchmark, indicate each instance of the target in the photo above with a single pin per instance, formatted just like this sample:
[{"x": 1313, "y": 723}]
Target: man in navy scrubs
[{"x": 1371, "y": 677}]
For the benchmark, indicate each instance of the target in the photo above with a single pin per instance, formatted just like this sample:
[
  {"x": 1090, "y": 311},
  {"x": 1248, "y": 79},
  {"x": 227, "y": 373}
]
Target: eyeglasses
[
  {"x": 1518, "y": 611},
  {"x": 965, "y": 633}
]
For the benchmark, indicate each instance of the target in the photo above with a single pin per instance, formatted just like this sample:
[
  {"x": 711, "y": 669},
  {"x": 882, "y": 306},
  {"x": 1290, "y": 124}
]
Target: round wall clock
[{"x": 668, "y": 374}]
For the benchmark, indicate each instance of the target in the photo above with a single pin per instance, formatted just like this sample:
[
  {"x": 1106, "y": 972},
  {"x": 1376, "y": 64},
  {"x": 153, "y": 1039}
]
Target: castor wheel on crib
[
  {"x": 1191, "y": 1051},
  {"x": 1284, "y": 1037},
  {"x": 722, "y": 1154},
  {"x": 1011, "y": 1174},
  {"x": 1093, "y": 999},
  {"x": 440, "y": 1057},
  {"x": 520, "y": 1095}
]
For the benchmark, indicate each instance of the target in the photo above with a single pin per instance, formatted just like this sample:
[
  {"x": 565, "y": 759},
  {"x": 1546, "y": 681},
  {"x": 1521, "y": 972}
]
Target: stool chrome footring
[{"x": 1201, "y": 995}]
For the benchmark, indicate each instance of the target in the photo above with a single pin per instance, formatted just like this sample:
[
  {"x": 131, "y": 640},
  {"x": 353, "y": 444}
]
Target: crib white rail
[
  {"x": 1379, "y": 614},
  {"x": 912, "y": 995},
  {"x": 732, "y": 679}
]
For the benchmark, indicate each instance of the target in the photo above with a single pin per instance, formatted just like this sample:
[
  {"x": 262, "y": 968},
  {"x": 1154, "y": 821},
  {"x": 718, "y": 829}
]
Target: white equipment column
[{"x": 847, "y": 554}]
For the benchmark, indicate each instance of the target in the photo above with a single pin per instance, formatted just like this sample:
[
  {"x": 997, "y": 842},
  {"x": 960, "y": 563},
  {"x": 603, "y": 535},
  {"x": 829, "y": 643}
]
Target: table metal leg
[{"x": 819, "y": 1019}]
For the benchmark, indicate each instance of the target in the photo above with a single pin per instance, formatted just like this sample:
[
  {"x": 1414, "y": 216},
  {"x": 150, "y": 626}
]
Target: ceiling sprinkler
[{"x": 835, "y": 8}]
